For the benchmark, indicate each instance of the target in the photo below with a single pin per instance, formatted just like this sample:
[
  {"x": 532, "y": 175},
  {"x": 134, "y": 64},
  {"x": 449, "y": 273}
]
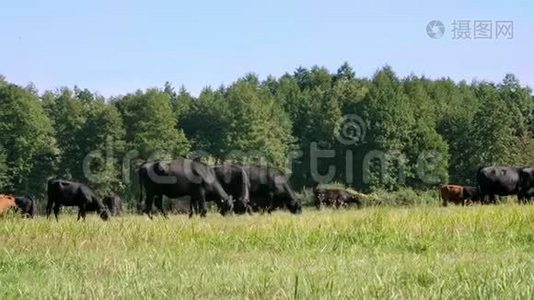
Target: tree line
[{"x": 379, "y": 133}]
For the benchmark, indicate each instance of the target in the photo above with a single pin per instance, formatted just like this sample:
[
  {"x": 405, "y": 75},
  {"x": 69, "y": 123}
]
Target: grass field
[{"x": 422, "y": 252}]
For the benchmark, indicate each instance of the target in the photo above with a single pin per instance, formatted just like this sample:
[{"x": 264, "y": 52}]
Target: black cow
[
  {"x": 335, "y": 197},
  {"x": 269, "y": 189},
  {"x": 177, "y": 206},
  {"x": 114, "y": 204},
  {"x": 497, "y": 181},
  {"x": 26, "y": 205},
  {"x": 178, "y": 178},
  {"x": 68, "y": 193},
  {"x": 235, "y": 181},
  {"x": 471, "y": 194},
  {"x": 526, "y": 185}
]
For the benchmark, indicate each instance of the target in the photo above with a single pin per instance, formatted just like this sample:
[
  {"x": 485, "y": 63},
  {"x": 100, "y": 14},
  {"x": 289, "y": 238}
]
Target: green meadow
[{"x": 420, "y": 252}]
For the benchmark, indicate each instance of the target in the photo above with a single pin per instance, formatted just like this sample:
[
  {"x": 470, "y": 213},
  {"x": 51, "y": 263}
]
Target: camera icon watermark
[
  {"x": 472, "y": 29},
  {"x": 435, "y": 29}
]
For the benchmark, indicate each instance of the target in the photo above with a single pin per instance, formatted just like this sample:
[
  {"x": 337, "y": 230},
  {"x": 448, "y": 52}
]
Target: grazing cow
[
  {"x": 471, "y": 194},
  {"x": 269, "y": 189},
  {"x": 6, "y": 203},
  {"x": 321, "y": 196},
  {"x": 68, "y": 193},
  {"x": 459, "y": 194},
  {"x": 452, "y": 193},
  {"x": 498, "y": 181},
  {"x": 526, "y": 185},
  {"x": 26, "y": 205},
  {"x": 234, "y": 180},
  {"x": 335, "y": 197},
  {"x": 114, "y": 204},
  {"x": 178, "y": 178}
]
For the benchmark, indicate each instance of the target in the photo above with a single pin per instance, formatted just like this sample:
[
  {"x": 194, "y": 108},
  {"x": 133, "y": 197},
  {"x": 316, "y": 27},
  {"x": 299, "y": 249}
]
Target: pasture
[{"x": 420, "y": 252}]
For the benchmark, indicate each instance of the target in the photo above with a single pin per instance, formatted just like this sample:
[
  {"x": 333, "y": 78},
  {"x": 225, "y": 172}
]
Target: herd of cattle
[
  {"x": 242, "y": 189},
  {"x": 233, "y": 188},
  {"x": 492, "y": 182}
]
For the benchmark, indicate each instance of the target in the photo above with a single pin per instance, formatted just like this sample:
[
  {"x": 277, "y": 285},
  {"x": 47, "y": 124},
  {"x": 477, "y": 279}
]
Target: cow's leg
[
  {"x": 148, "y": 204},
  {"x": 159, "y": 205},
  {"x": 49, "y": 208},
  {"x": 484, "y": 198},
  {"x": 493, "y": 199},
  {"x": 318, "y": 204},
  {"x": 262, "y": 207},
  {"x": 520, "y": 197},
  {"x": 202, "y": 203},
  {"x": 192, "y": 207},
  {"x": 56, "y": 210},
  {"x": 82, "y": 212},
  {"x": 270, "y": 204}
]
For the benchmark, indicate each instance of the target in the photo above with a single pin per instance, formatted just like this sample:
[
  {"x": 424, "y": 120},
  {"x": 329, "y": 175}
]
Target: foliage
[
  {"x": 27, "y": 143},
  {"x": 409, "y": 132},
  {"x": 151, "y": 125}
]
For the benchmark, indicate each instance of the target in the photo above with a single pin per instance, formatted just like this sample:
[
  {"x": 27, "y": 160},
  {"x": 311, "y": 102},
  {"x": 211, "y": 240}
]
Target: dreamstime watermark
[
  {"x": 472, "y": 29},
  {"x": 352, "y": 130},
  {"x": 324, "y": 161}
]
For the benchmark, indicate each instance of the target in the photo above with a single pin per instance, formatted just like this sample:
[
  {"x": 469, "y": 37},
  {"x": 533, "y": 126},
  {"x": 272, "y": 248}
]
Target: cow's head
[
  {"x": 104, "y": 214},
  {"x": 9, "y": 198},
  {"x": 526, "y": 178},
  {"x": 226, "y": 205},
  {"x": 241, "y": 206},
  {"x": 295, "y": 207}
]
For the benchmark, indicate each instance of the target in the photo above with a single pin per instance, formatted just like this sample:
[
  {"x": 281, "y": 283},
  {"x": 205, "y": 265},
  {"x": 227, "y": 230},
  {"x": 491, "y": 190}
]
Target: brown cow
[
  {"x": 458, "y": 194},
  {"x": 6, "y": 202}
]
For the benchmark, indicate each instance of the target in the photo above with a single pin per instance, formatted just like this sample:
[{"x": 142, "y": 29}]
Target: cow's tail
[
  {"x": 50, "y": 194},
  {"x": 245, "y": 187},
  {"x": 140, "y": 187},
  {"x": 32, "y": 208},
  {"x": 481, "y": 191}
]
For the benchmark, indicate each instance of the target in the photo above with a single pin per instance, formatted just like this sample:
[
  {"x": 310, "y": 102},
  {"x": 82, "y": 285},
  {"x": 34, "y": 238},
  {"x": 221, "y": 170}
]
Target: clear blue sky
[{"x": 115, "y": 47}]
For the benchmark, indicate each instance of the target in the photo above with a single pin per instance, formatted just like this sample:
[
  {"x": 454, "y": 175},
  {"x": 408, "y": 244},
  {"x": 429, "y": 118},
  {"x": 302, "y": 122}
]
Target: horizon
[
  {"x": 263, "y": 78},
  {"x": 118, "y": 48}
]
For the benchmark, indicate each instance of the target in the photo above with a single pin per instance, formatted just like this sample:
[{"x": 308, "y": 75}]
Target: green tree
[
  {"x": 4, "y": 179},
  {"x": 494, "y": 128},
  {"x": 68, "y": 114},
  {"x": 103, "y": 145},
  {"x": 206, "y": 123},
  {"x": 456, "y": 106},
  {"x": 427, "y": 152},
  {"x": 390, "y": 118},
  {"x": 344, "y": 73},
  {"x": 27, "y": 139},
  {"x": 151, "y": 124},
  {"x": 257, "y": 122}
]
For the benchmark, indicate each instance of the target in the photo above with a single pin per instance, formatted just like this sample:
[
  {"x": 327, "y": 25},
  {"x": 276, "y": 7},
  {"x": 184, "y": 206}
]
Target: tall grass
[{"x": 419, "y": 252}]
